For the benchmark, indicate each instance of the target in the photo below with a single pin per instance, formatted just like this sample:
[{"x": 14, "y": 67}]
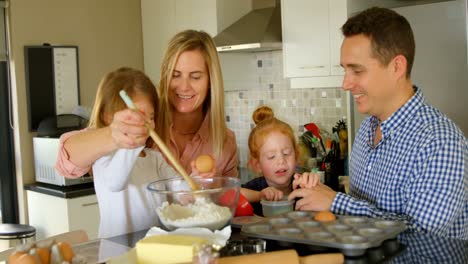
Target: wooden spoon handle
[
  {"x": 171, "y": 157},
  {"x": 161, "y": 144}
]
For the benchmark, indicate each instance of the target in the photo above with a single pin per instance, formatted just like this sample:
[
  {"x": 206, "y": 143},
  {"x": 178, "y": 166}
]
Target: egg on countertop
[
  {"x": 325, "y": 216},
  {"x": 44, "y": 254},
  {"x": 66, "y": 250},
  {"x": 14, "y": 256},
  {"x": 25, "y": 259}
]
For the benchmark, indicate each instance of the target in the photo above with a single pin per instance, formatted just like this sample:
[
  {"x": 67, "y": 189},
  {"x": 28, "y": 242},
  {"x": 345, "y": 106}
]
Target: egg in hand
[{"x": 204, "y": 163}]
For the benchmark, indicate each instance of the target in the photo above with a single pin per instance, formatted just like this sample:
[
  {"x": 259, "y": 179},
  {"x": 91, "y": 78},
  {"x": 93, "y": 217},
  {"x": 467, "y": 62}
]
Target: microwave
[{"x": 45, "y": 156}]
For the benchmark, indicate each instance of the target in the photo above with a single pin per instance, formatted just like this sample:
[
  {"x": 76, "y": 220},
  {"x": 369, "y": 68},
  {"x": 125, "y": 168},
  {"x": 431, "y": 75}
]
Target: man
[{"x": 409, "y": 161}]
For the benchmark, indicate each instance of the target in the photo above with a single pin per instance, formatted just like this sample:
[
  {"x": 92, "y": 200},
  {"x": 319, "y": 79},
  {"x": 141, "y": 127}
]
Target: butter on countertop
[{"x": 166, "y": 249}]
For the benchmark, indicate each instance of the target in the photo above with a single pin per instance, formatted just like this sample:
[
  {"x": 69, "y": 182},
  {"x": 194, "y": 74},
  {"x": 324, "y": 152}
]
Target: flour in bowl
[{"x": 202, "y": 213}]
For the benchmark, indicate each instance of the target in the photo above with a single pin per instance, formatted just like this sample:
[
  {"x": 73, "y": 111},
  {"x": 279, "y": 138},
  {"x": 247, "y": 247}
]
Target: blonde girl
[{"x": 121, "y": 170}]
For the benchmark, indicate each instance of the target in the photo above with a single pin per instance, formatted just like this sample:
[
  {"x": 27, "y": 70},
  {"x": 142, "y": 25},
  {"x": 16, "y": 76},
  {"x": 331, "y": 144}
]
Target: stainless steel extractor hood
[{"x": 259, "y": 30}]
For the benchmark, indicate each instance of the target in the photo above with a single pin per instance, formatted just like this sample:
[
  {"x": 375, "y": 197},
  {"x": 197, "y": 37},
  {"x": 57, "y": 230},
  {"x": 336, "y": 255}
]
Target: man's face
[{"x": 369, "y": 82}]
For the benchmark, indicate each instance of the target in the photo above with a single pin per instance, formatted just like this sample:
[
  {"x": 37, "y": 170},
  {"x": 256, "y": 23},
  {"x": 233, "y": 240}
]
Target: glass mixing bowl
[{"x": 212, "y": 206}]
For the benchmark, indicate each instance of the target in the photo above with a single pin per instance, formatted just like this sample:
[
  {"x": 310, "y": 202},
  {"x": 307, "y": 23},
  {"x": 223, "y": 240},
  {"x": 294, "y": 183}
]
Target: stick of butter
[{"x": 166, "y": 249}]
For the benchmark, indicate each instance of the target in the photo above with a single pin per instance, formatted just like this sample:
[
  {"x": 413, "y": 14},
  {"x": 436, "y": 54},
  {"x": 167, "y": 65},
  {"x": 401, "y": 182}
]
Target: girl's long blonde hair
[
  {"x": 108, "y": 100},
  {"x": 190, "y": 40}
]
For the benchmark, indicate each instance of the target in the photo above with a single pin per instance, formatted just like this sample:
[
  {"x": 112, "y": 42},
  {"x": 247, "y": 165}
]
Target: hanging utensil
[{"x": 312, "y": 127}]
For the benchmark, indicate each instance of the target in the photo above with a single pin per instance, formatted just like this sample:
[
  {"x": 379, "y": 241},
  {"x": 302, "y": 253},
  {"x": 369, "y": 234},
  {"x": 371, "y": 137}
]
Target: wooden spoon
[
  {"x": 283, "y": 256},
  {"x": 161, "y": 145}
]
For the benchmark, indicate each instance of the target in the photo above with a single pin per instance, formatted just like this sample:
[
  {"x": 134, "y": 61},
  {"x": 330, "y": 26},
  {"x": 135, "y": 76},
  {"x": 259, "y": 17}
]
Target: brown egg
[
  {"x": 14, "y": 256},
  {"x": 204, "y": 163},
  {"x": 325, "y": 216},
  {"x": 44, "y": 254},
  {"x": 25, "y": 259},
  {"x": 66, "y": 250}
]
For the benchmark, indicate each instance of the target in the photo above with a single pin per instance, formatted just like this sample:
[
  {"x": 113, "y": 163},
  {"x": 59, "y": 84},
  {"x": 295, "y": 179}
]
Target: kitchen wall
[
  {"x": 259, "y": 80},
  {"x": 108, "y": 35}
]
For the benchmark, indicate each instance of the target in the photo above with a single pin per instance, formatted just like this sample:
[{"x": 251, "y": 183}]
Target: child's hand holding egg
[{"x": 203, "y": 165}]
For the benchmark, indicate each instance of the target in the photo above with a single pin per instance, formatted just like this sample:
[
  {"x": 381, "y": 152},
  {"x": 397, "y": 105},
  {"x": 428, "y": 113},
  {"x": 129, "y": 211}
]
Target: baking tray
[{"x": 352, "y": 235}]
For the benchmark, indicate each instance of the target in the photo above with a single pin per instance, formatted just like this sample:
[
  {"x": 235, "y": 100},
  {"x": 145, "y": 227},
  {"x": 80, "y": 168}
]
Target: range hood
[{"x": 259, "y": 30}]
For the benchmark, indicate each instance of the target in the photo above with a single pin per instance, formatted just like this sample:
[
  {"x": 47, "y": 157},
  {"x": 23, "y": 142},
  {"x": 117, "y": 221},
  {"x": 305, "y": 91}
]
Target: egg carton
[{"x": 351, "y": 235}]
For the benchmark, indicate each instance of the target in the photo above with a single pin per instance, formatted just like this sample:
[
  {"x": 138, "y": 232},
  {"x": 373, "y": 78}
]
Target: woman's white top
[{"x": 120, "y": 181}]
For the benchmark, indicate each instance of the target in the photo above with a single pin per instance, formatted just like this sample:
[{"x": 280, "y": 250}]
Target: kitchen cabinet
[
  {"x": 162, "y": 19},
  {"x": 312, "y": 41},
  {"x": 52, "y": 215}
]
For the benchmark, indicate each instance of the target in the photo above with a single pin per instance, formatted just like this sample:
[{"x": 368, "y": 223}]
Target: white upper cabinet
[
  {"x": 338, "y": 16},
  {"x": 305, "y": 38},
  {"x": 312, "y": 41},
  {"x": 162, "y": 19},
  {"x": 198, "y": 15}
]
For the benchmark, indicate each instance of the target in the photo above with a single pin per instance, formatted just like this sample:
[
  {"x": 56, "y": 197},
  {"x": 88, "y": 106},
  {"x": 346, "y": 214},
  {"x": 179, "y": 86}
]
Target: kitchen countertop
[
  {"x": 67, "y": 192},
  {"x": 406, "y": 248},
  {"x": 412, "y": 248}
]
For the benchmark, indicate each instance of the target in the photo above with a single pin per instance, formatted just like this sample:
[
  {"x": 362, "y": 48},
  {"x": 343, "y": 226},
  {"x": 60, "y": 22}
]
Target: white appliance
[{"x": 45, "y": 156}]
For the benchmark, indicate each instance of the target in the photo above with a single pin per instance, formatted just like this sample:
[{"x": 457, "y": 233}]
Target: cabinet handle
[
  {"x": 312, "y": 67},
  {"x": 89, "y": 204}
]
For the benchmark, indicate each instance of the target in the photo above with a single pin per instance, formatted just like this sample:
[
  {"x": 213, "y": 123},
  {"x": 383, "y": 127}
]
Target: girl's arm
[
  {"x": 251, "y": 195},
  {"x": 87, "y": 146},
  {"x": 79, "y": 150}
]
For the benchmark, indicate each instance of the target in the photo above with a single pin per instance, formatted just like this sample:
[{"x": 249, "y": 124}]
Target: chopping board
[{"x": 283, "y": 256}]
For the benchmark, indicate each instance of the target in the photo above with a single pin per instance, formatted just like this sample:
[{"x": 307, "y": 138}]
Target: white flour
[{"x": 202, "y": 213}]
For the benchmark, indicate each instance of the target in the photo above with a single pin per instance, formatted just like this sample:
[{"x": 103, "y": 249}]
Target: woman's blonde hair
[
  {"x": 266, "y": 123},
  {"x": 190, "y": 40},
  {"x": 108, "y": 100}
]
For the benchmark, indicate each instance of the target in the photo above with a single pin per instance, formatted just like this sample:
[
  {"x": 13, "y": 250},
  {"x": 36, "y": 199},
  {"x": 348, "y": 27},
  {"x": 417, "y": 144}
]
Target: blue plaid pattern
[
  {"x": 417, "y": 173},
  {"x": 424, "y": 249}
]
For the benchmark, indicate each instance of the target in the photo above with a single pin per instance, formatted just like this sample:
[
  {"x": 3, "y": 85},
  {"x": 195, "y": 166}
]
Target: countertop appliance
[
  {"x": 52, "y": 81},
  {"x": 441, "y": 62},
  {"x": 46, "y": 148}
]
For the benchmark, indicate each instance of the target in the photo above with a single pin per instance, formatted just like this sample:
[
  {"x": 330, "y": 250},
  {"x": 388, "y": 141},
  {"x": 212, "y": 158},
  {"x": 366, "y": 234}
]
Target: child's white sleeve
[{"x": 116, "y": 168}]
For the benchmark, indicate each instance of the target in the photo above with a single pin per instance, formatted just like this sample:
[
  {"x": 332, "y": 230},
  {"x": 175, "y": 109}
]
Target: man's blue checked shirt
[{"x": 417, "y": 173}]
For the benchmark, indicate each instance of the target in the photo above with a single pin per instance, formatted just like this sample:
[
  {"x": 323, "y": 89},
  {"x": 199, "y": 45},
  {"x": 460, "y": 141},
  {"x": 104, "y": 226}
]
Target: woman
[{"x": 190, "y": 118}]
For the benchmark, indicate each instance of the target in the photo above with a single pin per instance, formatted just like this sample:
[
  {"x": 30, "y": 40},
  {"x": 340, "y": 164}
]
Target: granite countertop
[{"x": 66, "y": 192}]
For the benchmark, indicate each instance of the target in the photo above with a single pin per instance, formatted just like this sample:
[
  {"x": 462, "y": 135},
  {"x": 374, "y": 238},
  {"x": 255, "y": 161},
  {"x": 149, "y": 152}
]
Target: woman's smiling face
[{"x": 190, "y": 82}]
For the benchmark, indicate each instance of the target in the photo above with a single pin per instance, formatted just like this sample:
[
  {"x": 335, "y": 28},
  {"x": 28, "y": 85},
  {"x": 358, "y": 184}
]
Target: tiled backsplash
[{"x": 262, "y": 83}]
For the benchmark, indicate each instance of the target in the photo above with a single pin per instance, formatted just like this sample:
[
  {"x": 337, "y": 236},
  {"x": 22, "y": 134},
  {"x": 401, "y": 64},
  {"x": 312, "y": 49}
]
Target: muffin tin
[{"x": 352, "y": 235}]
